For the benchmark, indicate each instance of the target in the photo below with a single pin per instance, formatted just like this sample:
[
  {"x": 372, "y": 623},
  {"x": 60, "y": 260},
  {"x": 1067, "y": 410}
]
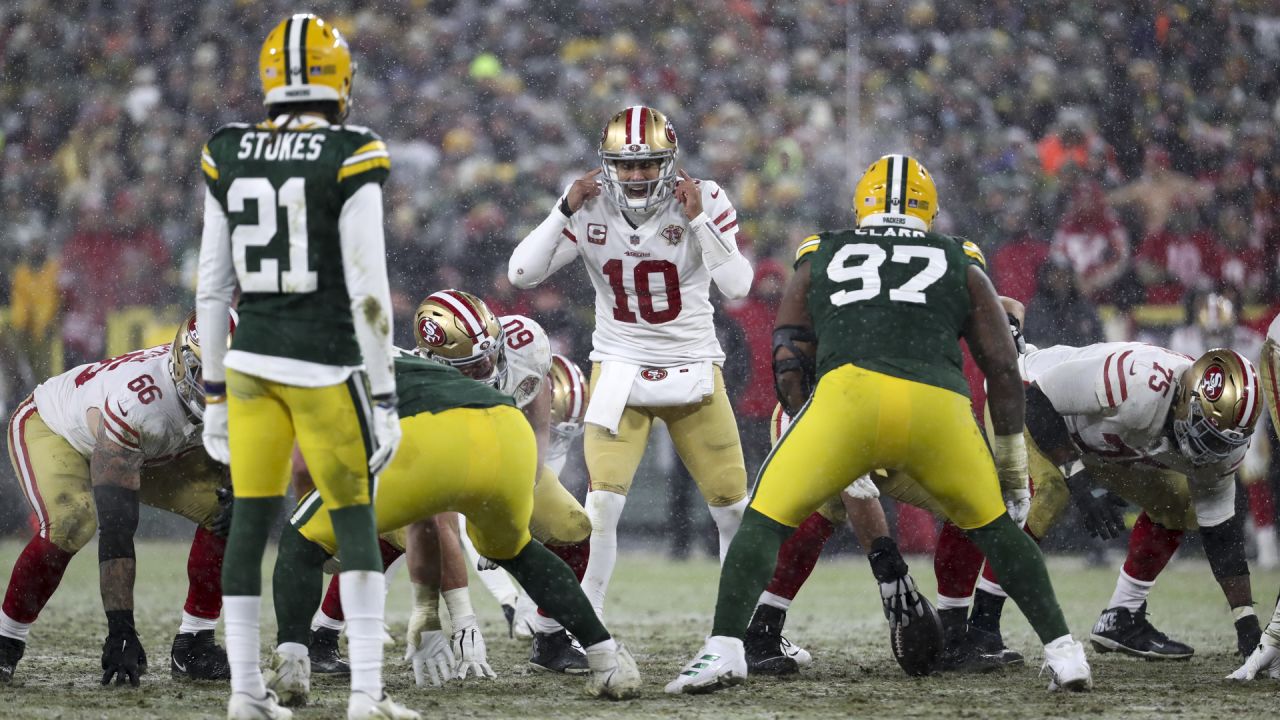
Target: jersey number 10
[
  {"x": 644, "y": 294},
  {"x": 269, "y": 278}
]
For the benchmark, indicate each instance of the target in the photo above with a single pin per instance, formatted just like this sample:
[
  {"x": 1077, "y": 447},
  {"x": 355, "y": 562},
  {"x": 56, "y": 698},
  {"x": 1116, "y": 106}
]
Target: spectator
[
  {"x": 1156, "y": 191},
  {"x": 1178, "y": 258},
  {"x": 1015, "y": 266},
  {"x": 1060, "y": 314},
  {"x": 1093, "y": 242}
]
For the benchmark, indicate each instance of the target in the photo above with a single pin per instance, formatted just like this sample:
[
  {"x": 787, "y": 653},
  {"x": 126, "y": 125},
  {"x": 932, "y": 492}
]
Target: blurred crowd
[{"x": 1113, "y": 154}]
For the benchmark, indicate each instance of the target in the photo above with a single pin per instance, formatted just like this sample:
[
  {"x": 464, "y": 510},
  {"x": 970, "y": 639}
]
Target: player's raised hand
[
  {"x": 583, "y": 189},
  {"x": 689, "y": 195}
]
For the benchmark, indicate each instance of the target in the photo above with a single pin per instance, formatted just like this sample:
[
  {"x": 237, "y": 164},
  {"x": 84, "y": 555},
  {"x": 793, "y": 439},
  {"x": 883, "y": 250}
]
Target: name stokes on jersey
[{"x": 280, "y": 146}]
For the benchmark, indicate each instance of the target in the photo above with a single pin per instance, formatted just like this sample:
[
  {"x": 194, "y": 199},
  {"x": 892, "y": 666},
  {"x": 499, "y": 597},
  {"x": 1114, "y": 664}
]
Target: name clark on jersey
[{"x": 280, "y": 146}]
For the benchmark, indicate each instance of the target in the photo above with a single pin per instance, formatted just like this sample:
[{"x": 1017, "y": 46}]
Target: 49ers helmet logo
[
  {"x": 671, "y": 133},
  {"x": 431, "y": 332},
  {"x": 653, "y": 374},
  {"x": 1213, "y": 382}
]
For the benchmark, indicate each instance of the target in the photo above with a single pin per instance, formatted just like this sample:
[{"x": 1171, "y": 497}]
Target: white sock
[
  {"x": 363, "y": 599},
  {"x": 320, "y": 620},
  {"x": 545, "y": 625},
  {"x": 458, "y": 601},
  {"x": 496, "y": 581},
  {"x": 296, "y": 650},
  {"x": 768, "y": 598},
  {"x": 993, "y": 588},
  {"x": 190, "y": 624},
  {"x": 241, "y": 613},
  {"x": 1130, "y": 593},
  {"x": 1058, "y": 642},
  {"x": 601, "y": 656},
  {"x": 13, "y": 629},
  {"x": 950, "y": 603},
  {"x": 727, "y": 518},
  {"x": 605, "y": 509}
]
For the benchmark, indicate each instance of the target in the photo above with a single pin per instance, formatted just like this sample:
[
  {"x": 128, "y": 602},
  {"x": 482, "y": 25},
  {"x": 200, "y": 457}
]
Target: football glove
[
  {"x": 468, "y": 649},
  {"x": 1265, "y": 659},
  {"x": 1102, "y": 514},
  {"x": 215, "y": 432},
  {"x": 864, "y": 488},
  {"x": 1018, "y": 503},
  {"x": 901, "y": 601},
  {"x": 431, "y": 657},
  {"x": 122, "y": 654},
  {"x": 386, "y": 430}
]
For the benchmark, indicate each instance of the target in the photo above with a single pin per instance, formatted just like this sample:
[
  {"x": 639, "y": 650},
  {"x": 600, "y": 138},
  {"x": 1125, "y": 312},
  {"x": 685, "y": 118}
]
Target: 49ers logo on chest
[
  {"x": 431, "y": 332},
  {"x": 673, "y": 234},
  {"x": 1213, "y": 383},
  {"x": 653, "y": 374}
]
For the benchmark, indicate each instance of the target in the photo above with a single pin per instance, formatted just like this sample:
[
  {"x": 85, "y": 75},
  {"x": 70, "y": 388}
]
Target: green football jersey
[
  {"x": 283, "y": 190},
  {"x": 425, "y": 386},
  {"x": 891, "y": 299}
]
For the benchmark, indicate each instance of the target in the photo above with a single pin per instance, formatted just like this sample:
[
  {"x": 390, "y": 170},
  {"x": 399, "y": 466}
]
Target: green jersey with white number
[
  {"x": 891, "y": 299},
  {"x": 283, "y": 191}
]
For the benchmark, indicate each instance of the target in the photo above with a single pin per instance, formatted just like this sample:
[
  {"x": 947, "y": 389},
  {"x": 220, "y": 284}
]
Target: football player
[
  {"x": 293, "y": 214},
  {"x": 1157, "y": 429},
  {"x": 652, "y": 240},
  {"x": 884, "y": 304},
  {"x": 105, "y": 437},
  {"x": 480, "y": 455}
]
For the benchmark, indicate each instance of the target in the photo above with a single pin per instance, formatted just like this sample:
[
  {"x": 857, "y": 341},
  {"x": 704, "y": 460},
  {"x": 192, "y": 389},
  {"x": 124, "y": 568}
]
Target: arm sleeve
[
  {"x": 215, "y": 287},
  {"x": 542, "y": 252},
  {"x": 717, "y": 232},
  {"x": 364, "y": 266}
]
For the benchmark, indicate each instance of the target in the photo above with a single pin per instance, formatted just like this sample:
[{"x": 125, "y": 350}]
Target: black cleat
[
  {"x": 509, "y": 612},
  {"x": 195, "y": 656},
  {"x": 325, "y": 658},
  {"x": 765, "y": 647},
  {"x": 1129, "y": 632},
  {"x": 557, "y": 652},
  {"x": 991, "y": 645},
  {"x": 10, "y": 653}
]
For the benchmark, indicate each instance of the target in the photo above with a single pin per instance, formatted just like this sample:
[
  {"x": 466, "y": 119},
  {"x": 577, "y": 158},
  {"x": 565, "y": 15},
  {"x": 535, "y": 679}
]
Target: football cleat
[
  {"x": 243, "y": 706},
  {"x": 289, "y": 677},
  {"x": 721, "y": 663},
  {"x": 616, "y": 678},
  {"x": 558, "y": 652},
  {"x": 362, "y": 706},
  {"x": 10, "y": 653},
  {"x": 764, "y": 644},
  {"x": 325, "y": 658},
  {"x": 1067, "y": 666},
  {"x": 1130, "y": 632},
  {"x": 991, "y": 645},
  {"x": 195, "y": 656}
]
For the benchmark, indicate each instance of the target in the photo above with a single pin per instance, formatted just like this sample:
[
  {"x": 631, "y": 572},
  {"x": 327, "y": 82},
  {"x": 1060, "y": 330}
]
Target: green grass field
[{"x": 662, "y": 610}]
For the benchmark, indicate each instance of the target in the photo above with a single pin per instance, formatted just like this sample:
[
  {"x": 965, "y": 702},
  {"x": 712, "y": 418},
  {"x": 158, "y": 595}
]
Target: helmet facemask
[
  {"x": 458, "y": 329},
  {"x": 623, "y": 192},
  {"x": 185, "y": 366},
  {"x": 1217, "y": 407},
  {"x": 1203, "y": 443},
  {"x": 639, "y": 133}
]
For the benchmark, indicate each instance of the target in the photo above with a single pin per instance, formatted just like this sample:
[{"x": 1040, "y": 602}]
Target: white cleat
[
  {"x": 616, "y": 678},
  {"x": 244, "y": 706},
  {"x": 795, "y": 652},
  {"x": 289, "y": 677},
  {"x": 362, "y": 706},
  {"x": 721, "y": 663},
  {"x": 1068, "y": 669}
]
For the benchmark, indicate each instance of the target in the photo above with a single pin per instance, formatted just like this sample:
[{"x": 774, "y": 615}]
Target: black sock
[
  {"x": 987, "y": 608},
  {"x": 553, "y": 586}
]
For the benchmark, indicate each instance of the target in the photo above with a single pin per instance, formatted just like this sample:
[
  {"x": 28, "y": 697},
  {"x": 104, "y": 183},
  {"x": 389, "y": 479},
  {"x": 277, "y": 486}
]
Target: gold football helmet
[
  {"x": 306, "y": 59},
  {"x": 1217, "y": 406},
  {"x": 1269, "y": 370},
  {"x": 458, "y": 329},
  {"x": 639, "y": 133},
  {"x": 896, "y": 190},
  {"x": 569, "y": 395},
  {"x": 185, "y": 359}
]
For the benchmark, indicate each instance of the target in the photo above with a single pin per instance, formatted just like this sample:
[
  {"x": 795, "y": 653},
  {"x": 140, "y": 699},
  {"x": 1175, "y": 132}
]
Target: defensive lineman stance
[
  {"x": 652, "y": 242},
  {"x": 293, "y": 213}
]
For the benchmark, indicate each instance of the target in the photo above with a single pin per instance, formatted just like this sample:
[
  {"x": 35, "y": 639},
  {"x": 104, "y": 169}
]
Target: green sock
[
  {"x": 296, "y": 587},
  {"x": 748, "y": 565},
  {"x": 251, "y": 520},
  {"x": 357, "y": 534},
  {"x": 1020, "y": 567},
  {"x": 553, "y": 586}
]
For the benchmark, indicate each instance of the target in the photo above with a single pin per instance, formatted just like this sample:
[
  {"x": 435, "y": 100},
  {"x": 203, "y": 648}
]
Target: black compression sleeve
[{"x": 117, "y": 521}]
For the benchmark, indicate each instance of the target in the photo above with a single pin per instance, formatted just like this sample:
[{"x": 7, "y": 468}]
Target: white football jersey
[
  {"x": 137, "y": 398},
  {"x": 652, "y": 288},
  {"x": 528, "y": 355},
  {"x": 1115, "y": 398}
]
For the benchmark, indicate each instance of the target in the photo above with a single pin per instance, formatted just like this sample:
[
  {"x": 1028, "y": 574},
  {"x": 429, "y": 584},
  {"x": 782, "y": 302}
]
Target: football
[{"x": 917, "y": 647}]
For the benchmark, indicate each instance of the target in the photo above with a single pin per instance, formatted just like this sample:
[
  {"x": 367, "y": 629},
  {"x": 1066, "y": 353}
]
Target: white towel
[{"x": 610, "y": 394}]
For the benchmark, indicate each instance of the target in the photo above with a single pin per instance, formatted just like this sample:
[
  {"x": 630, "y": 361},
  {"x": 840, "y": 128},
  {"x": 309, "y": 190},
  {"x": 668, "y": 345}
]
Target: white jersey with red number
[
  {"x": 1115, "y": 399},
  {"x": 652, "y": 287},
  {"x": 137, "y": 398},
  {"x": 528, "y": 356}
]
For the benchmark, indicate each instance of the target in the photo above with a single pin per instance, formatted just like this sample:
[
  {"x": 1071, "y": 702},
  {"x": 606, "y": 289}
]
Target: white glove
[
  {"x": 1265, "y": 657},
  {"x": 468, "y": 648},
  {"x": 1018, "y": 503},
  {"x": 386, "y": 430},
  {"x": 863, "y": 488},
  {"x": 215, "y": 432},
  {"x": 431, "y": 653},
  {"x": 901, "y": 601}
]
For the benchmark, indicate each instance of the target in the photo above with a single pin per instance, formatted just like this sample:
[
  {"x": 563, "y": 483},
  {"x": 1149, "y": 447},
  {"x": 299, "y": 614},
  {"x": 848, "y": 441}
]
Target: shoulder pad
[
  {"x": 807, "y": 246},
  {"x": 973, "y": 251},
  {"x": 359, "y": 130}
]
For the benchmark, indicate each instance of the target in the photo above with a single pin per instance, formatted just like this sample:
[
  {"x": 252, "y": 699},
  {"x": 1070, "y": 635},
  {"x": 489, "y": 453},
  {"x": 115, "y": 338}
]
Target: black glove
[
  {"x": 122, "y": 654},
  {"x": 222, "y": 521},
  {"x": 1103, "y": 515},
  {"x": 1248, "y": 635}
]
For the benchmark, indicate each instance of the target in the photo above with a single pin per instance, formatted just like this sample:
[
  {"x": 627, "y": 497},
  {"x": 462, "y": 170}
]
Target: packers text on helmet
[{"x": 896, "y": 190}]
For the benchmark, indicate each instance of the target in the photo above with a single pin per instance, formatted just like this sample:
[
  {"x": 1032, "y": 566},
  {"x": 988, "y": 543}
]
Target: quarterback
[
  {"x": 652, "y": 240},
  {"x": 293, "y": 215},
  {"x": 884, "y": 304},
  {"x": 105, "y": 437}
]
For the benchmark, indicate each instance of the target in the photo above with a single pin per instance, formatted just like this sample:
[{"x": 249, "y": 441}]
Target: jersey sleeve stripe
[
  {"x": 206, "y": 164},
  {"x": 810, "y": 244},
  {"x": 1124, "y": 386},
  {"x": 124, "y": 441},
  {"x": 1106, "y": 380},
  {"x": 348, "y": 171},
  {"x": 730, "y": 226},
  {"x": 373, "y": 146},
  {"x": 572, "y": 238},
  {"x": 121, "y": 423},
  {"x": 361, "y": 157},
  {"x": 722, "y": 216},
  {"x": 971, "y": 249},
  {"x": 1249, "y": 393}
]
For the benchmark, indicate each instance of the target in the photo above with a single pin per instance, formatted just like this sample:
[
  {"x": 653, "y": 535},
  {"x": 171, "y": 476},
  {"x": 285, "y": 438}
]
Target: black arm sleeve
[
  {"x": 1046, "y": 426},
  {"x": 117, "y": 521}
]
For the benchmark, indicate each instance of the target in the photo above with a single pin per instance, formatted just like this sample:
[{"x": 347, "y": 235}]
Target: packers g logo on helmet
[
  {"x": 1215, "y": 411},
  {"x": 305, "y": 59},
  {"x": 896, "y": 190}
]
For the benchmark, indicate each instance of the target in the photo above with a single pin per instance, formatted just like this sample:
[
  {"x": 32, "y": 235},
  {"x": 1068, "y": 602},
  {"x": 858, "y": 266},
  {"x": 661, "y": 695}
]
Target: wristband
[
  {"x": 564, "y": 207},
  {"x": 1239, "y": 613},
  {"x": 1010, "y": 453}
]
